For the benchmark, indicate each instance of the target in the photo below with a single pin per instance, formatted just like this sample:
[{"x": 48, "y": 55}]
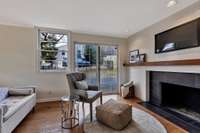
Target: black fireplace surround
[{"x": 176, "y": 96}]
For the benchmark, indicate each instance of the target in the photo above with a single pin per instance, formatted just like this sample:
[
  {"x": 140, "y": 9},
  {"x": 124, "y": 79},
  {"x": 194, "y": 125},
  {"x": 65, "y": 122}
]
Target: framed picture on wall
[
  {"x": 142, "y": 57},
  {"x": 134, "y": 56}
]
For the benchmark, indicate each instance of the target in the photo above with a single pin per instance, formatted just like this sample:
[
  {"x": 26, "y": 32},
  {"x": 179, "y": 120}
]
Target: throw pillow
[
  {"x": 3, "y": 93},
  {"x": 82, "y": 85},
  {"x": 20, "y": 92},
  {"x": 129, "y": 84}
]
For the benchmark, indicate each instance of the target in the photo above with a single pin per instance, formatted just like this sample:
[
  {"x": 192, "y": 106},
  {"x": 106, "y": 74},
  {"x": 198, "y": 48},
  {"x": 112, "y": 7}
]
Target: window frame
[{"x": 39, "y": 50}]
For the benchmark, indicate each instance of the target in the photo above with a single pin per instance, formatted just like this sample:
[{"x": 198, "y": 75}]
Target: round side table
[{"x": 70, "y": 112}]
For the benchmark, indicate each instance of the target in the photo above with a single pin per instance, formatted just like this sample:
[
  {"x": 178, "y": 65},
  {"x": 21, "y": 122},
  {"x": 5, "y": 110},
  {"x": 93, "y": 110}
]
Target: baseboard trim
[{"x": 48, "y": 100}]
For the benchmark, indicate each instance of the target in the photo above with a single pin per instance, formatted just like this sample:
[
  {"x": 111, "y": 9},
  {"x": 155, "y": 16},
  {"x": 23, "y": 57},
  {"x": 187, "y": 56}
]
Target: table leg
[
  {"x": 91, "y": 113},
  {"x": 101, "y": 99}
]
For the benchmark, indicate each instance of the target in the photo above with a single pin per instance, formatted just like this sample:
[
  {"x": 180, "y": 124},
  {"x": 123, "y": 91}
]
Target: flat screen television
[{"x": 181, "y": 37}]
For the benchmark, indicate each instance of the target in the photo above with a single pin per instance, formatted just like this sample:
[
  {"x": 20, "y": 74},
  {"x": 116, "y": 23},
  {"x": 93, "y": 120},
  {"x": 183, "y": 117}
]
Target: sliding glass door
[
  {"x": 99, "y": 63},
  {"x": 108, "y": 69}
]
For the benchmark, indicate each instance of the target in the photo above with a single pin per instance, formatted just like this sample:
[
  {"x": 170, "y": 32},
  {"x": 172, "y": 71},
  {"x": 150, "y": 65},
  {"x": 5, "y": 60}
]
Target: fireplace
[{"x": 176, "y": 96}]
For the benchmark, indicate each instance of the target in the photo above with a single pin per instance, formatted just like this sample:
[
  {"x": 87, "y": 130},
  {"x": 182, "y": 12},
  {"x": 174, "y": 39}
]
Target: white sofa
[{"x": 15, "y": 106}]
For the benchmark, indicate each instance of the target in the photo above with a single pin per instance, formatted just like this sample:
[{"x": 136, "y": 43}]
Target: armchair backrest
[
  {"x": 77, "y": 76},
  {"x": 72, "y": 78}
]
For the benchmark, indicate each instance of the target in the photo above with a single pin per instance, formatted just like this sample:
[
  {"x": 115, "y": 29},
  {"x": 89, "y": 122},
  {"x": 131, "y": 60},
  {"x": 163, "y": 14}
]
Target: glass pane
[
  {"x": 53, "y": 65},
  {"x": 85, "y": 61},
  {"x": 50, "y": 37},
  {"x": 108, "y": 69},
  {"x": 54, "y": 55},
  {"x": 49, "y": 41},
  {"x": 53, "y": 46}
]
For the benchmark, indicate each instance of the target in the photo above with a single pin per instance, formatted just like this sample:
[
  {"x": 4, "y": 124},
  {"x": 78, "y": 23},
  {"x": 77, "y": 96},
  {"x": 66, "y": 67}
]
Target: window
[{"x": 53, "y": 50}]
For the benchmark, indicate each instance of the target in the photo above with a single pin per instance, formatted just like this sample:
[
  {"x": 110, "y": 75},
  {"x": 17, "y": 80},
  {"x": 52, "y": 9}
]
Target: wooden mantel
[{"x": 166, "y": 63}]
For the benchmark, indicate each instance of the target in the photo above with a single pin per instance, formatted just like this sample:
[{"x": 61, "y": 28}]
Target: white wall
[
  {"x": 18, "y": 61},
  {"x": 144, "y": 41}
]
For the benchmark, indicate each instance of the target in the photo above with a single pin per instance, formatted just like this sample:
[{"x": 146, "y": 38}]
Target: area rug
[{"x": 142, "y": 123}]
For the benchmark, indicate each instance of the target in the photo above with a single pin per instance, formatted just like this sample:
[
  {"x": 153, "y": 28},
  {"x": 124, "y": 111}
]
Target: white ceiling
[{"x": 119, "y": 18}]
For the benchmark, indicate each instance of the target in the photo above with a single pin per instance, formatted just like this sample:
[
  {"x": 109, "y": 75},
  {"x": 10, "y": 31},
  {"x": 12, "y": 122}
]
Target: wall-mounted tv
[{"x": 181, "y": 37}]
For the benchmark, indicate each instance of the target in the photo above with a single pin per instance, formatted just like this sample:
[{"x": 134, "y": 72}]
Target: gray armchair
[{"x": 86, "y": 96}]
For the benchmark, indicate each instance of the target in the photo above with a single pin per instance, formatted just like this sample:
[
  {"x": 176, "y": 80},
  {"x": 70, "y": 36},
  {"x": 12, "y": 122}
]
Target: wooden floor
[{"x": 46, "y": 118}]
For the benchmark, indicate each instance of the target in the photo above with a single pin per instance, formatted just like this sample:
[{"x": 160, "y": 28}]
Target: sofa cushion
[
  {"x": 20, "y": 92},
  {"x": 82, "y": 85},
  {"x": 3, "y": 93},
  {"x": 14, "y": 103}
]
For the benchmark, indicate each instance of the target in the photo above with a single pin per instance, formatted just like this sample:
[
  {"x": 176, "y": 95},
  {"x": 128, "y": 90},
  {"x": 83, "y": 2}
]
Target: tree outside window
[{"x": 53, "y": 51}]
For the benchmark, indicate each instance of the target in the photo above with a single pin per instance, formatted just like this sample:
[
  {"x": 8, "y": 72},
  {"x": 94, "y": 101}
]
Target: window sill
[{"x": 54, "y": 71}]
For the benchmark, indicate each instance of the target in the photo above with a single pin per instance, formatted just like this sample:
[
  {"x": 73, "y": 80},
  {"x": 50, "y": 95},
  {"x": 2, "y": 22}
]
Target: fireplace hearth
[
  {"x": 186, "y": 112},
  {"x": 176, "y": 96}
]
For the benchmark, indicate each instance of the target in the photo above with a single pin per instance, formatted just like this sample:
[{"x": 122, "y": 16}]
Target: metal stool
[{"x": 70, "y": 112}]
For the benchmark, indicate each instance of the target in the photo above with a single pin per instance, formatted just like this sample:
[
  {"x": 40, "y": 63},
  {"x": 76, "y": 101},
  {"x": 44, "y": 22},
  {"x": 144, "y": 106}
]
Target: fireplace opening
[{"x": 181, "y": 99}]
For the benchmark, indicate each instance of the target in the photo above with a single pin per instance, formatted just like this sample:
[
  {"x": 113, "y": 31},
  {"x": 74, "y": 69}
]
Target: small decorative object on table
[
  {"x": 134, "y": 56},
  {"x": 70, "y": 111},
  {"x": 142, "y": 57}
]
